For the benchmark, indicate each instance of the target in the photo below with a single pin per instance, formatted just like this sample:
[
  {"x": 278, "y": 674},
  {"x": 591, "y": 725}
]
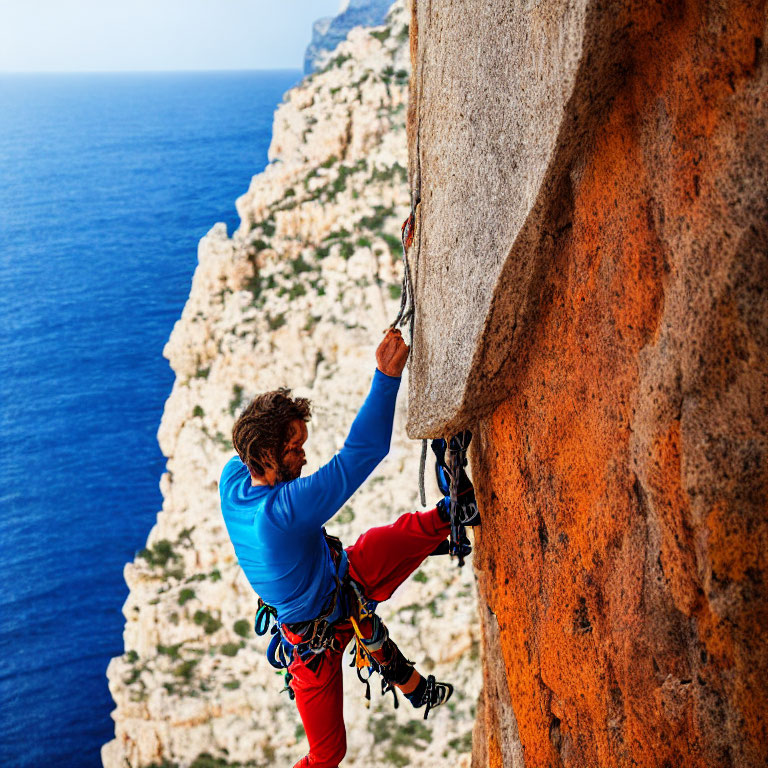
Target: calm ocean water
[{"x": 106, "y": 184}]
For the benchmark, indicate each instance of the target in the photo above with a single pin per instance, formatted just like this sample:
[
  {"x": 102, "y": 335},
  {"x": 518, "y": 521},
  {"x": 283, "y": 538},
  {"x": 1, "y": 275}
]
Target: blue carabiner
[{"x": 263, "y": 620}]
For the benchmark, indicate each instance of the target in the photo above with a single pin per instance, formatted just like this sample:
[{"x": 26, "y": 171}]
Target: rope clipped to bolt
[
  {"x": 406, "y": 311},
  {"x": 406, "y": 314}
]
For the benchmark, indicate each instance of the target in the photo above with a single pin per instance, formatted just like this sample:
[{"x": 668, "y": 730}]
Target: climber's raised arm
[{"x": 311, "y": 501}]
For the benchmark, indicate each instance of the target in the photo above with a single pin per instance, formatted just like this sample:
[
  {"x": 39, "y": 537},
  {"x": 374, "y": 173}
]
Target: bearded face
[{"x": 293, "y": 458}]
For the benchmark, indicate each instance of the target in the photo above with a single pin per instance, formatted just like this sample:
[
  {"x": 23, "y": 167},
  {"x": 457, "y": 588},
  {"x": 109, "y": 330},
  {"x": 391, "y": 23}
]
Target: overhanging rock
[{"x": 501, "y": 95}]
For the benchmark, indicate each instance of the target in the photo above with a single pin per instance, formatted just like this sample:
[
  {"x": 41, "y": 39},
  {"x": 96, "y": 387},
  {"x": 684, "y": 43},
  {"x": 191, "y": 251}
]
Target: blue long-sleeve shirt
[{"x": 277, "y": 530}]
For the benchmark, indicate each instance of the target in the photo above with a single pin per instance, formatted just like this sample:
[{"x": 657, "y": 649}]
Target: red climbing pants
[{"x": 380, "y": 560}]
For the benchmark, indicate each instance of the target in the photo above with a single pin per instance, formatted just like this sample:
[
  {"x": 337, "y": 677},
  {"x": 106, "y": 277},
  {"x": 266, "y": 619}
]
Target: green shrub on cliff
[
  {"x": 205, "y": 760},
  {"x": 462, "y": 744},
  {"x": 185, "y": 595},
  {"x": 185, "y": 669},
  {"x": 170, "y": 650},
  {"x": 395, "y": 246},
  {"x": 237, "y": 399},
  {"x": 208, "y": 622},
  {"x": 230, "y": 649},
  {"x": 159, "y": 554},
  {"x": 242, "y": 627},
  {"x": 375, "y": 222},
  {"x": 299, "y": 265}
]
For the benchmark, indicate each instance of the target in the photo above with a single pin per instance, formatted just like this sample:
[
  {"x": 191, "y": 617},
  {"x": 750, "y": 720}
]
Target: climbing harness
[
  {"x": 310, "y": 639},
  {"x": 306, "y": 639}
]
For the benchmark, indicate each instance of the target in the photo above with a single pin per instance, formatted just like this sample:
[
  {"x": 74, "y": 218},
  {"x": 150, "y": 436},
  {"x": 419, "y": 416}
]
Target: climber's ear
[{"x": 268, "y": 474}]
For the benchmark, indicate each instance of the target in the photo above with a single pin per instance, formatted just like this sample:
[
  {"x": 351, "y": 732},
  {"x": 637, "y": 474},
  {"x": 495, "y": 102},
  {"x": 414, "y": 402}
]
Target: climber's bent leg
[
  {"x": 397, "y": 670},
  {"x": 383, "y": 557},
  {"x": 380, "y": 560},
  {"x": 319, "y": 701}
]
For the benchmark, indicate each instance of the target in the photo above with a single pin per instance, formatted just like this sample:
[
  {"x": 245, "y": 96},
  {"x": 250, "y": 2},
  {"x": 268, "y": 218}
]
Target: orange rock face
[{"x": 624, "y": 478}]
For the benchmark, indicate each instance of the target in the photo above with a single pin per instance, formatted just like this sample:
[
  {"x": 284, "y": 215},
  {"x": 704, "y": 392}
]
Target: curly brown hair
[{"x": 260, "y": 432}]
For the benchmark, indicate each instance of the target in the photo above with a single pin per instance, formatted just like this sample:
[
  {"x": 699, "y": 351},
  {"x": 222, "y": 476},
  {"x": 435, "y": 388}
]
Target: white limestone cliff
[
  {"x": 298, "y": 296},
  {"x": 329, "y": 31}
]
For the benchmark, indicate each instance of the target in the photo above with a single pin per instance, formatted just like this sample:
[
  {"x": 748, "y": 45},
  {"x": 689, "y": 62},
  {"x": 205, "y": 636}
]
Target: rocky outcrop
[
  {"x": 329, "y": 31},
  {"x": 298, "y": 296},
  {"x": 591, "y": 270}
]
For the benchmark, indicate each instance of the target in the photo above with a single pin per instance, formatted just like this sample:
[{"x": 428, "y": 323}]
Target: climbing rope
[
  {"x": 407, "y": 304},
  {"x": 406, "y": 311},
  {"x": 422, "y": 464}
]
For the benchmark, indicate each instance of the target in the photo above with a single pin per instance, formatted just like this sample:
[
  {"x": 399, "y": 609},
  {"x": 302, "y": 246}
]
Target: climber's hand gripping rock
[{"x": 392, "y": 353}]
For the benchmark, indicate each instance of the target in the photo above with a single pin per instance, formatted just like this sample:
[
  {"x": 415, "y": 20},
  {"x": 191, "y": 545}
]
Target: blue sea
[{"x": 107, "y": 182}]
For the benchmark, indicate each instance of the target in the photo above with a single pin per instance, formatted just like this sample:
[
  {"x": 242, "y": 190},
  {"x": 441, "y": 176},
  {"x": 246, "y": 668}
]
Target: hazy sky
[{"x": 77, "y": 35}]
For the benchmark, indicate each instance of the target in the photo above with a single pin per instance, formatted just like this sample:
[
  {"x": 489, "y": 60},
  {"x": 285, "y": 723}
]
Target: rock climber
[{"x": 322, "y": 595}]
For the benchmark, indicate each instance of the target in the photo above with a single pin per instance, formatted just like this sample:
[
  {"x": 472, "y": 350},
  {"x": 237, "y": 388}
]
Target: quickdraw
[
  {"x": 456, "y": 460},
  {"x": 373, "y": 667},
  {"x": 459, "y": 544},
  {"x": 364, "y": 609},
  {"x": 407, "y": 311},
  {"x": 451, "y": 464}
]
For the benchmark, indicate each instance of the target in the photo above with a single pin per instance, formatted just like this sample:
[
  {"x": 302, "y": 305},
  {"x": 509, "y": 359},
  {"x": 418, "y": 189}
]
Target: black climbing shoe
[
  {"x": 443, "y": 548},
  {"x": 459, "y": 444},
  {"x": 467, "y": 512},
  {"x": 430, "y": 694},
  {"x": 463, "y": 547}
]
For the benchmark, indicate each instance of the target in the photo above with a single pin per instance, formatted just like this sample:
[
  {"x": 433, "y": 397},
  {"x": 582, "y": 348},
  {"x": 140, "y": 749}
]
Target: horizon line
[{"x": 143, "y": 71}]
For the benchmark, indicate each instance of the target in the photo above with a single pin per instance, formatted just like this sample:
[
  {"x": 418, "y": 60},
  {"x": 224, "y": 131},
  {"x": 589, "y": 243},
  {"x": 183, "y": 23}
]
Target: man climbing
[{"x": 323, "y": 595}]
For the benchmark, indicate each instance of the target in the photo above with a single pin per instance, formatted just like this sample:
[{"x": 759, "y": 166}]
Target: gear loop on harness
[{"x": 264, "y": 616}]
